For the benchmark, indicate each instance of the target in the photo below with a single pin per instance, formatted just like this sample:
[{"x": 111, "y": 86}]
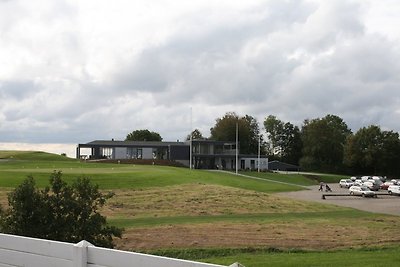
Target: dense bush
[{"x": 59, "y": 212}]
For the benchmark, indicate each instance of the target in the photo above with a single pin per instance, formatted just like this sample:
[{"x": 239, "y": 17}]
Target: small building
[
  {"x": 276, "y": 165},
  {"x": 206, "y": 154}
]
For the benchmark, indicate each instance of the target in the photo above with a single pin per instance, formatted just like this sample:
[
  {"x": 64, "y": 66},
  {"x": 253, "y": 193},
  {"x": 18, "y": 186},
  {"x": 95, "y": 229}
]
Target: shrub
[{"x": 60, "y": 212}]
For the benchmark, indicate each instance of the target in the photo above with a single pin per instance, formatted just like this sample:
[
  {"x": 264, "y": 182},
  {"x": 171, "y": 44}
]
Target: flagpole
[
  {"x": 191, "y": 139},
  {"x": 237, "y": 147},
  {"x": 259, "y": 151}
]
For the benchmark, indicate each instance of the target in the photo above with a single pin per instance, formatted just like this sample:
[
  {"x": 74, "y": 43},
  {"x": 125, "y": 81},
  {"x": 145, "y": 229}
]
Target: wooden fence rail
[{"x": 17, "y": 251}]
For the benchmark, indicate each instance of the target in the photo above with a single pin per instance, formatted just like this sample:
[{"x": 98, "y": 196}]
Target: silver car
[
  {"x": 361, "y": 191},
  {"x": 394, "y": 190},
  {"x": 345, "y": 183}
]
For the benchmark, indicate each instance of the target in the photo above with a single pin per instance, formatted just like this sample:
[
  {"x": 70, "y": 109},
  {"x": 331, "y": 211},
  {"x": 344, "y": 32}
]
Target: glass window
[{"x": 139, "y": 153}]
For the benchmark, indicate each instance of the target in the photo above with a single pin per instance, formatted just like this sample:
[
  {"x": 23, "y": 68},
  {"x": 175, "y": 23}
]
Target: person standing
[{"x": 321, "y": 186}]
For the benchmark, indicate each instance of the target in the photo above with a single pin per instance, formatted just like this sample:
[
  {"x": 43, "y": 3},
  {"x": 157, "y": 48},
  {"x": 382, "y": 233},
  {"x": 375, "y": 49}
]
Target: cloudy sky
[{"x": 75, "y": 71}]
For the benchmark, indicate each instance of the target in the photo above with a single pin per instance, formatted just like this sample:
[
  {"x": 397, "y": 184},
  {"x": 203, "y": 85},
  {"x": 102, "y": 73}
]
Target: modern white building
[{"x": 206, "y": 154}]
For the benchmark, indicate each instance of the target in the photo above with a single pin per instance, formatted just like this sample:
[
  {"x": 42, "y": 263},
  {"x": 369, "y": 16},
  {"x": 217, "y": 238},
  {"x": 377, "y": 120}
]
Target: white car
[
  {"x": 346, "y": 183},
  {"x": 361, "y": 191},
  {"x": 353, "y": 178},
  {"x": 365, "y": 178},
  {"x": 394, "y": 189},
  {"x": 358, "y": 182},
  {"x": 372, "y": 185}
]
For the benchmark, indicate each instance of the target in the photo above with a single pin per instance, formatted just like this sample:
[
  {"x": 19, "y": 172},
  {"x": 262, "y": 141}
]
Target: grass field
[
  {"x": 220, "y": 217},
  {"x": 358, "y": 257}
]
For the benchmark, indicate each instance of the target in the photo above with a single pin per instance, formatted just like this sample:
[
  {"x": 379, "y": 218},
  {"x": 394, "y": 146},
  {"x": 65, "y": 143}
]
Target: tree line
[{"x": 322, "y": 144}]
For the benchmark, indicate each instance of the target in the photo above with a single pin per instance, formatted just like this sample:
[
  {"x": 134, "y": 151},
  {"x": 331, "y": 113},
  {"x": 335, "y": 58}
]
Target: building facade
[{"x": 206, "y": 154}]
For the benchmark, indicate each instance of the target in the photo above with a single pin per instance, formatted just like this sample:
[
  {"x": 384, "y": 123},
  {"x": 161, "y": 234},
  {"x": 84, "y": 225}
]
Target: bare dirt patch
[{"x": 302, "y": 235}]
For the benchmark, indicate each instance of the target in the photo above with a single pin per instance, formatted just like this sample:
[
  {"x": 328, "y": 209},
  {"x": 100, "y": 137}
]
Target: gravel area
[{"x": 382, "y": 204}]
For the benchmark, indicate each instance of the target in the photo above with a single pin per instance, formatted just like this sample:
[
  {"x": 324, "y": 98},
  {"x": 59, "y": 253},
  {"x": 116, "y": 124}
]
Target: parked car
[
  {"x": 394, "y": 189},
  {"x": 353, "y": 178},
  {"x": 365, "y": 178},
  {"x": 361, "y": 191},
  {"x": 358, "y": 182},
  {"x": 346, "y": 183},
  {"x": 372, "y": 185},
  {"x": 379, "y": 179},
  {"x": 386, "y": 185}
]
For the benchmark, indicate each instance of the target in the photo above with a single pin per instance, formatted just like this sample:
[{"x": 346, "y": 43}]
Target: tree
[
  {"x": 323, "y": 143},
  {"x": 371, "y": 150},
  {"x": 249, "y": 132},
  {"x": 196, "y": 134},
  {"x": 252, "y": 136},
  {"x": 284, "y": 140},
  {"x": 292, "y": 144},
  {"x": 143, "y": 135},
  {"x": 274, "y": 129},
  {"x": 60, "y": 212},
  {"x": 391, "y": 153}
]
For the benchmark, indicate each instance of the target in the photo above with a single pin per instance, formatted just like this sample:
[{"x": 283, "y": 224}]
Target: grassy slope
[
  {"x": 114, "y": 176},
  {"x": 32, "y": 155}
]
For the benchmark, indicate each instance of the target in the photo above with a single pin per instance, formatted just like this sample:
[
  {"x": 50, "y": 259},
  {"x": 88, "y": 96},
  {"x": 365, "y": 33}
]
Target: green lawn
[
  {"x": 287, "y": 178},
  {"x": 335, "y": 215},
  {"x": 372, "y": 257},
  {"x": 115, "y": 176}
]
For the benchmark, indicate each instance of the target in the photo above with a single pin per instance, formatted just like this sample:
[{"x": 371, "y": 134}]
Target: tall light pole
[
  {"x": 237, "y": 147},
  {"x": 259, "y": 151},
  {"x": 191, "y": 140}
]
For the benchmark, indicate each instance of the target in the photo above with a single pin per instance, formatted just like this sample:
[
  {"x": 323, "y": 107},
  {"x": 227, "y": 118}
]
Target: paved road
[{"x": 381, "y": 204}]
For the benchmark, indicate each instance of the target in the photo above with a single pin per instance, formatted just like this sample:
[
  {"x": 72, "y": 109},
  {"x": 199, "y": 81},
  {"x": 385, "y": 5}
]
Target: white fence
[{"x": 17, "y": 251}]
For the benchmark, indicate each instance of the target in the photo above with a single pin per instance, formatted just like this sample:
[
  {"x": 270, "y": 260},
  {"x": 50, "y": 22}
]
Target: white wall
[
  {"x": 120, "y": 153},
  {"x": 31, "y": 252},
  {"x": 147, "y": 153},
  {"x": 263, "y": 163}
]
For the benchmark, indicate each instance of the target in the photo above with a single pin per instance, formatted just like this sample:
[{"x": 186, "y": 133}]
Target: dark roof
[
  {"x": 111, "y": 143},
  {"x": 208, "y": 141},
  {"x": 275, "y": 164},
  {"x": 116, "y": 143}
]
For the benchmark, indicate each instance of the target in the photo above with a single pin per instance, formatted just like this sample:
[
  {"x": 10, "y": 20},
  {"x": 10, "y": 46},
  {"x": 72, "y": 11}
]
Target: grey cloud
[
  {"x": 213, "y": 69},
  {"x": 200, "y": 67},
  {"x": 17, "y": 89},
  {"x": 357, "y": 81}
]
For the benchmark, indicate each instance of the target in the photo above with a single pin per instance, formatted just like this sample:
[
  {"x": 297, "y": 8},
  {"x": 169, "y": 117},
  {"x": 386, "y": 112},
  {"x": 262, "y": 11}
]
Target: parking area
[{"x": 381, "y": 204}]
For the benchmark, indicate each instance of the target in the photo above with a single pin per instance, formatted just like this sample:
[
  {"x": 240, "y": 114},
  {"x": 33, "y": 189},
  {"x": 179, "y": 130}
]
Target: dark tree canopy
[
  {"x": 323, "y": 143},
  {"x": 372, "y": 151},
  {"x": 62, "y": 212},
  {"x": 284, "y": 140},
  {"x": 274, "y": 130},
  {"x": 249, "y": 132},
  {"x": 196, "y": 134},
  {"x": 143, "y": 135}
]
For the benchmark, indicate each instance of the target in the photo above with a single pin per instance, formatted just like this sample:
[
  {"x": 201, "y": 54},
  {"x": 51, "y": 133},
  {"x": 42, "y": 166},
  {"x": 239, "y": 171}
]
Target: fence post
[{"x": 80, "y": 254}]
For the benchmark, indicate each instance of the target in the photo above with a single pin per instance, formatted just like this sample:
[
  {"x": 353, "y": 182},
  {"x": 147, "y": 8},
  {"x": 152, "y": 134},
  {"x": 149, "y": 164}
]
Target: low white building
[{"x": 206, "y": 154}]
